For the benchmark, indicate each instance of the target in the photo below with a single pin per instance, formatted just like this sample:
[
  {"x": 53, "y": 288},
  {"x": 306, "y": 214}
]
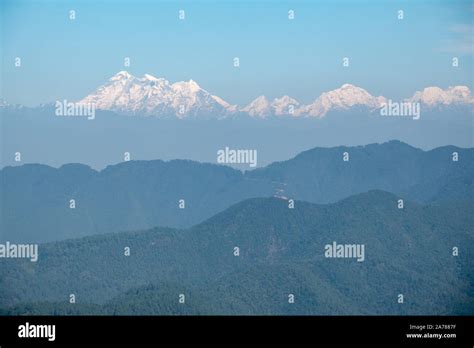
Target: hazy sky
[{"x": 63, "y": 58}]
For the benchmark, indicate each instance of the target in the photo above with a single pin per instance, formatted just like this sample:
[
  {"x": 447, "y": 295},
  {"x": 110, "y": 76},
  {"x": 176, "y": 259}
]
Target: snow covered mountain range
[
  {"x": 151, "y": 96},
  {"x": 127, "y": 94}
]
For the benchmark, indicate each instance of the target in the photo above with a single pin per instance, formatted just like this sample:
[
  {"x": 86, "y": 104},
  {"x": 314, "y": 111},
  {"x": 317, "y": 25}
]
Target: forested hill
[
  {"x": 136, "y": 195},
  {"x": 281, "y": 251}
]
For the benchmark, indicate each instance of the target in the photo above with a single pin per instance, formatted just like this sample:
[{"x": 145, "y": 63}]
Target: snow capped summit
[
  {"x": 285, "y": 106},
  {"x": 263, "y": 108},
  {"x": 190, "y": 99},
  {"x": 260, "y": 107},
  {"x": 152, "y": 96},
  {"x": 435, "y": 96},
  {"x": 343, "y": 98},
  {"x": 190, "y": 86},
  {"x": 121, "y": 76},
  {"x": 128, "y": 94}
]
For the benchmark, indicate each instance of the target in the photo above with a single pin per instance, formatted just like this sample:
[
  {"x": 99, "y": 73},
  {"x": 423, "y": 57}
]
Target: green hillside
[{"x": 407, "y": 251}]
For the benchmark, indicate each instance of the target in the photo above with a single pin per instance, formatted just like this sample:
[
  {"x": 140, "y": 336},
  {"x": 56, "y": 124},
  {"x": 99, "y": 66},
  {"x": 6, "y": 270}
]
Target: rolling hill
[
  {"x": 139, "y": 195},
  {"x": 281, "y": 251}
]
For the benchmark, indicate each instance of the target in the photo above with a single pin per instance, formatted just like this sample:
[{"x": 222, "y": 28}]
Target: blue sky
[{"x": 64, "y": 59}]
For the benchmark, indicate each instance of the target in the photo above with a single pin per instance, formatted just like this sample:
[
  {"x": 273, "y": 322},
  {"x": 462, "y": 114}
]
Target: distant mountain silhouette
[
  {"x": 281, "y": 251},
  {"x": 142, "y": 194}
]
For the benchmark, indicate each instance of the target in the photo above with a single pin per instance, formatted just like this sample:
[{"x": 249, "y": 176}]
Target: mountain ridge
[
  {"x": 151, "y": 96},
  {"x": 281, "y": 252},
  {"x": 338, "y": 147},
  {"x": 180, "y": 193}
]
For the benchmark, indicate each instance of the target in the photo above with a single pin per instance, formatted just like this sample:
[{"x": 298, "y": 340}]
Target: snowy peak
[
  {"x": 263, "y": 108},
  {"x": 285, "y": 106},
  {"x": 125, "y": 93},
  {"x": 121, "y": 76},
  {"x": 435, "y": 96},
  {"x": 186, "y": 87},
  {"x": 343, "y": 98},
  {"x": 260, "y": 107},
  {"x": 152, "y": 96}
]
